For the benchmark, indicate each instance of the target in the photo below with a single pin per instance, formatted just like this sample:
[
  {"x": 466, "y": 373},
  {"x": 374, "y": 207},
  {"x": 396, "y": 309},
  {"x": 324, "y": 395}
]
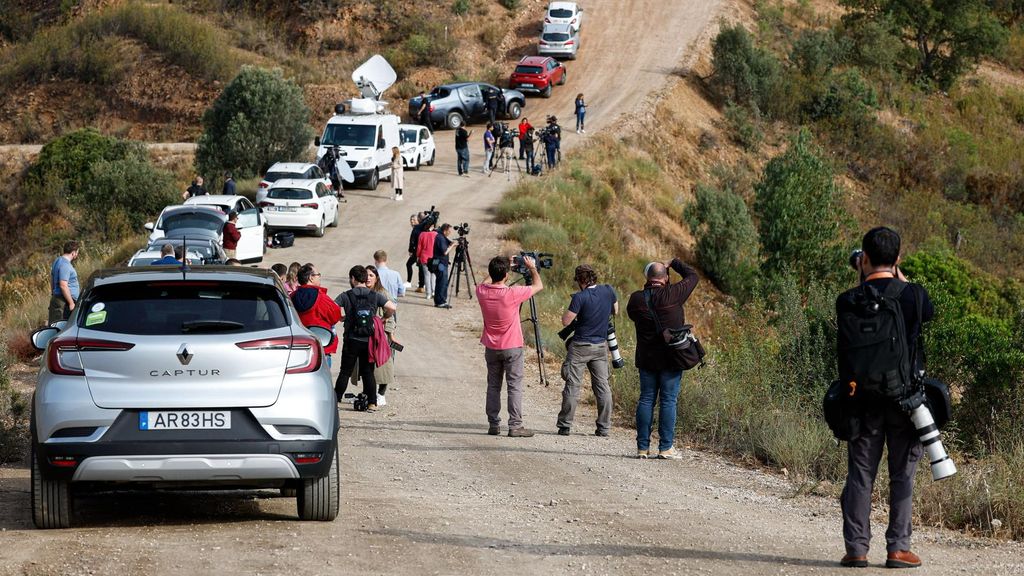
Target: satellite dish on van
[{"x": 374, "y": 77}]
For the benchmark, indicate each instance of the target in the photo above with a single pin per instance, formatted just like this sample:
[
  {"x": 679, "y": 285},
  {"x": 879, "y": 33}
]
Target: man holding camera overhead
[
  {"x": 503, "y": 341},
  {"x": 590, "y": 309}
]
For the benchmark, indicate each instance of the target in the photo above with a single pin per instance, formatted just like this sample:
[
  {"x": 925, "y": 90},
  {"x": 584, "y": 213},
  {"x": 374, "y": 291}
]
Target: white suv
[
  {"x": 290, "y": 171},
  {"x": 300, "y": 205}
]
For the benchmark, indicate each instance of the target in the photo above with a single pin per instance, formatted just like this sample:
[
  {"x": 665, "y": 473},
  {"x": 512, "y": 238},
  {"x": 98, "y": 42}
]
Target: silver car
[
  {"x": 169, "y": 378},
  {"x": 559, "y": 40}
]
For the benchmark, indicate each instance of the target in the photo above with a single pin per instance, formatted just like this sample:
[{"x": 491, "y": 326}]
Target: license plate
[
  {"x": 185, "y": 420},
  {"x": 524, "y": 85}
]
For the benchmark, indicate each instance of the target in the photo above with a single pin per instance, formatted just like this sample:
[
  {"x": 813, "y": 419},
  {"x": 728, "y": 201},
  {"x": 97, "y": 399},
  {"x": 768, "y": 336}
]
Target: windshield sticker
[
  {"x": 96, "y": 318},
  {"x": 98, "y": 307}
]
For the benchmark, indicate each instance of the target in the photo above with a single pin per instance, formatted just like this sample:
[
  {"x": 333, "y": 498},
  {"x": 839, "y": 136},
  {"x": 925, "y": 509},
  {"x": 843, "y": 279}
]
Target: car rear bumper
[
  {"x": 556, "y": 51},
  {"x": 292, "y": 221},
  {"x": 535, "y": 89}
]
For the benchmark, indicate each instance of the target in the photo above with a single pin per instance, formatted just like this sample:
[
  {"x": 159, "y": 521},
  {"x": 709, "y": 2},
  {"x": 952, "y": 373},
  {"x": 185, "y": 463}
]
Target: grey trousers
[
  {"x": 880, "y": 426},
  {"x": 507, "y": 365},
  {"x": 593, "y": 357},
  {"x": 58, "y": 309}
]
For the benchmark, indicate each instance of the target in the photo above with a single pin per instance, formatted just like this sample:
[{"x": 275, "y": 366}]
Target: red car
[{"x": 537, "y": 74}]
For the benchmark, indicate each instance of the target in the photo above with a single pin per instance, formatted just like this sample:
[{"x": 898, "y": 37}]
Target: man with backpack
[
  {"x": 359, "y": 307},
  {"x": 879, "y": 357}
]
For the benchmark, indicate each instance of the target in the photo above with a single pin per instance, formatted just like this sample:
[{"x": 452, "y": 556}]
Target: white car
[
  {"x": 208, "y": 221},
  {"x": 293, "y": 171},
  {"x": 564, "y": 13},
  {"x": 145, "y": 257},
  {"x": 417, "y": 146},
  {"x": 224, "y": 203},
  {"x": 301, "y": 205}
]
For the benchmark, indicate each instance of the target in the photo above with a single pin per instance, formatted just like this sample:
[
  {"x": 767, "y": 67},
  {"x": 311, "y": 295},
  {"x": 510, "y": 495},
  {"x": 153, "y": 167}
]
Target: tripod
[
  {"x": 463, "y": 267},
  {"x": 505, "y": 158},
  {"x": 536, "y": 339}
]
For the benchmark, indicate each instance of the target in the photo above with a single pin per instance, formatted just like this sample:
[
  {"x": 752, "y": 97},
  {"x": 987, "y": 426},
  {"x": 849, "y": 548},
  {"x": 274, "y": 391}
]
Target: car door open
[{"x": 251, "y": 244}]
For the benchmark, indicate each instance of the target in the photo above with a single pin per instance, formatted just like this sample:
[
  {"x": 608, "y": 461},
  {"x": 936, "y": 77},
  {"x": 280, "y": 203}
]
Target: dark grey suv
[{"x": 453, "y": 105}]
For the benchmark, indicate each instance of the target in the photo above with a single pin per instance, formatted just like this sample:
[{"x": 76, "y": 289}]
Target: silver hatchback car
[{"x": 170, "y": 378}]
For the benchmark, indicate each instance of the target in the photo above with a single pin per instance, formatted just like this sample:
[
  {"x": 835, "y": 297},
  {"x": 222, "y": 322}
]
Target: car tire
[
  {"x": 454, "y": 120},
  {"x": 565, "y": 76},
  {"x": 288, "y": 492},
  {"x": 547, "y": 91},
  {"x": 374, "y": 180},
  {"x": 334, "y": 223},
  {"x": 416, "y": 166},
  {"x": 432, "y": 156},
  {"x": 514, "y": 110},
  {"x": 51, "y": 499},
  {"x": 319, "y": 232},
  {"x": 319, "y": 498}
]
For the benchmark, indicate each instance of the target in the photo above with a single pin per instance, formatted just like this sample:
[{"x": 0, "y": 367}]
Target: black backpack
[
  {"x": 874, "y": 352},
  {"x": 363, "y": 311}
]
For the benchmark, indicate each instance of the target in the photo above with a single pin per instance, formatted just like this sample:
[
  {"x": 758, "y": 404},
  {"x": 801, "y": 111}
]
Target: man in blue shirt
[
  {"x": 63, "y": 283},
  {"x": 442, "y": 246},
  {"x": 390, "y": 279},
  {"x": 590, "y": 308},
  {"x": 167, "y": 257}
]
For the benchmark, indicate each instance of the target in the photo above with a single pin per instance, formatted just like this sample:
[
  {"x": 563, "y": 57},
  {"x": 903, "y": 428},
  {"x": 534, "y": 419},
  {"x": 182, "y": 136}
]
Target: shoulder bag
[{"x": 681, "y": 342}]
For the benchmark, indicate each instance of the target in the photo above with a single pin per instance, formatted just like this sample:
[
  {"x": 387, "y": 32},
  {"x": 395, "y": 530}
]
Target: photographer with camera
[
  {"x": 442, "y": 246},
  {"x": 660, "y": 303},
  {"x": 879, "y": 379},
  {"x": 503, "y": 341},
  {"x": 551, "y": 136},
  {"x": 590, "y": 309}
]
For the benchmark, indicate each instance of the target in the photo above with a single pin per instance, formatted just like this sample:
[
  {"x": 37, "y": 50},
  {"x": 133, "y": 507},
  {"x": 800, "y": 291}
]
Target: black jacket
[{"x": 652, "y": 353}]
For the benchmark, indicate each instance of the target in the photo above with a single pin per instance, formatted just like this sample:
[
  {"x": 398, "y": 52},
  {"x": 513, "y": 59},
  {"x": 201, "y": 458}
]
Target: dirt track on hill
[{"x": 425, "y": 490}]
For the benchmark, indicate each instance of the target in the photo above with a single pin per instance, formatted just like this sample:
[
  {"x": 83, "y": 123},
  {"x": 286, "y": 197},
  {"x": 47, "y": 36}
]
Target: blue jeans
[
  {"x": 552, "y": 159},
  {"x": 580, "y": 116},
  {"x": 463, "y": 160},
  {"x": 441, "y": 285},
  {"x": 663, "y": 385}
]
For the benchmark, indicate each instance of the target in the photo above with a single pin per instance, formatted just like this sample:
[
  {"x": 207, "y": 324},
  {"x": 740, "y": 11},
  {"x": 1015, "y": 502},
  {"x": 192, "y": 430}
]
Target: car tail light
[
  {"x": 573, "y": 21},
  {"x": 431, "y": 107},
  {"x": 310, "y": 458},
  {"x": 308, "y": 344},
  {"x": 264, "y": 204},
  {"x": 63, "y": 461},
  {"x": 547, "y": 20},
  {"x": 569, "y": 43},
  {"x": 61, "y": 346},
  {"x": 543, "y": 43},
  {"x": 264, "y": 184},
  {"x": 312, "y": 205}
]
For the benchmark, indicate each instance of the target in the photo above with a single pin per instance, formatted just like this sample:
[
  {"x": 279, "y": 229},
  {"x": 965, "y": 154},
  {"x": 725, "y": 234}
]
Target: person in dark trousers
[
  {"x": 462, "y": 150},
  {"x": 489, "y": 144},
  {"x": 590, "y": 308},
  {"x": 527, "y": 146},
  {"x": 329, "y": 164},
  {"x": 356, "y": 347},
  {"x": 524, "y": 127},
  {"x": 491, "y": 103},
  {"x": 314, "y": 306},
  {"x": 231, "y": 235},
  {"x": 64, "y": 288},
  {"x": 414, "y": 237},
  {"x": 552, "y": 141},
  {"x": 423, "y": 114},
  {"x": 229, "y": 185},
  {"x": 196, "y": 189},
  {"x": 442, "y": 246},
  {"x": 660, "y": 371},
  {"x": 581, "y": 113},
  {"x": 882, "y": 422}
]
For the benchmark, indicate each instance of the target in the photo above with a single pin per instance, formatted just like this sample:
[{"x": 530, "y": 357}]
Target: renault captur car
[{"x": 170, "y": 378}]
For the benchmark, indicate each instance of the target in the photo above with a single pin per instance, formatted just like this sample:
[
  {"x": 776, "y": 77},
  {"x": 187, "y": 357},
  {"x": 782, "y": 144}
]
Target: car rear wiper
[{"x": 210, "y": 326}]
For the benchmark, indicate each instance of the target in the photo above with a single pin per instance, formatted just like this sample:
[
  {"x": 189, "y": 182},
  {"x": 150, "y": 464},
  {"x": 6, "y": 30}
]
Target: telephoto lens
[
  {"x": 942, "y": 465},
  {"x": 613, "y": 345}
]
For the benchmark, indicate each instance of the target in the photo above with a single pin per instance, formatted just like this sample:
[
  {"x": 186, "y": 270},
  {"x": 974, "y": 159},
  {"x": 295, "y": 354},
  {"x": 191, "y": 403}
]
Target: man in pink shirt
[{"x": 503, "y": 340}]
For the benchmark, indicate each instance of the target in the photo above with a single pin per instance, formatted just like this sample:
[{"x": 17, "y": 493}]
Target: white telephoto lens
[{"x": 942, "y": 465}]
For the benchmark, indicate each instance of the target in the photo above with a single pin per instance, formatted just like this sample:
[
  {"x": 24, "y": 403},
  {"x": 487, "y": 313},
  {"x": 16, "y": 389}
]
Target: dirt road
[{"x": 425, "y": 490}]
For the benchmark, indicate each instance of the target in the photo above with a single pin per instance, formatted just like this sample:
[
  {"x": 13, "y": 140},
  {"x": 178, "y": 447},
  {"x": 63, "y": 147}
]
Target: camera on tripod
[
  {"x": 430, "y": 217},
  {"x": 506, "y": 136},
  {"x": 542, "y": 259},
  {"x": 462, "y": 229}
]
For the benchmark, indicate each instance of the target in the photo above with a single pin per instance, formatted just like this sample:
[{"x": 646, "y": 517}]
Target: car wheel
[
  {"x": 374, "y": 180},
  {"x": 547, "y": 91},
  {"x": 319, "y": 232},
  {"x": 432, "y": 156},
  {"x": 334, "y": 223},
  {"x": 288, "y": 492},
  {"x": 454, "y": 120},
  {"x": 51, "y": 499},
  {"x": 565, "y": 76},
  {"x": 416, "y": 166},
  {"x": 514, "y": 110},
  {"x": 318, "y": 498}
]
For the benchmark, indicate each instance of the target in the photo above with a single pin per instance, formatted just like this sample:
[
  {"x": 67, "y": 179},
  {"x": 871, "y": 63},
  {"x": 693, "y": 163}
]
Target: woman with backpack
[
  {"x": 581, "y": 112},
  {"x": 382, "y": 374},
  {"x": 397, "y": 173}
]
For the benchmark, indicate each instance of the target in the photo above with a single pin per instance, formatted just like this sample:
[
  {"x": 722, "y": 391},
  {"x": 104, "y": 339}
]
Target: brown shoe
[
  {"x": 493, "y": 431},
  {"x": 419, "y": 290},
  {"x": 902, "y": 559},
  {"x": 850, "y": 561},
  {"x": 519, "y": 432}
]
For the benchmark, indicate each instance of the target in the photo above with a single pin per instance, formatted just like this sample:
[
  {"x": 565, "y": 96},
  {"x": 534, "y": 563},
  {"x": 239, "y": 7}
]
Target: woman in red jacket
[{"x": 314, "y": 306}]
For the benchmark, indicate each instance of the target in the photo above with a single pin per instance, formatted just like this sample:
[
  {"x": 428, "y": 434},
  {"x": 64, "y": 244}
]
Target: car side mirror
[
  {"x": 325, "y": 336},
  {"x": 149, "y": 226},
  {"x": 42, "y": 337},
  {"x": 316, "y": 141}
]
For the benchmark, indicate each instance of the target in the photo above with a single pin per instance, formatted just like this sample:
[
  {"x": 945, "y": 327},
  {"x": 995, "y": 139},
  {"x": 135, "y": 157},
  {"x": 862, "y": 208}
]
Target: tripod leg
[{"x": 537, "y": 340}]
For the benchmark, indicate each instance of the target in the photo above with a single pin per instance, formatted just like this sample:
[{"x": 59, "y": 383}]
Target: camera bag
[
  {"x": 284, "y": 239},
  {"x": 682, "y": 342},
  {"x": 841, "y": 411}
]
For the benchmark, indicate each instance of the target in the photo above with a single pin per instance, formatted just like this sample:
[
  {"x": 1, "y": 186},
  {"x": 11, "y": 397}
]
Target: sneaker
[
  {"x": 563, "y": 431},
  {"x": 445, "y": 305},
  {"x": 670, "y": 454},
  {"x": 643, "y": 454},
  {"x": 399, "y": 199},
  {"x": 902, "y": 559},
  {"x": 520, "y": 432},
  {"x": 582, "y": 131},
  {"x": 381, "y": 401},
  {"x": 601, "y": 433},
  {"x": 418, "y": 290},
  {"x": 465, "y": 174},
  {"x": 371, "y": 408},
  {"x": 849, "y": 561},
  {"x": 493, "y": 431},
  {"x": 408, "y": 284}
]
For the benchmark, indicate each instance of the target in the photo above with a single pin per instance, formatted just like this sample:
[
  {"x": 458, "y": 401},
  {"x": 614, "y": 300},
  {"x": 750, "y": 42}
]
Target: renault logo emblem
[{"x": 184, "y": 356}]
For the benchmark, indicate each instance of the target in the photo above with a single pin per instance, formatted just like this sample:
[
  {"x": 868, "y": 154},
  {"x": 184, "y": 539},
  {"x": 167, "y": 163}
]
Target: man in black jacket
[
  {"x": 660, "y": 371},
  {"x": 414, "y": 238}
]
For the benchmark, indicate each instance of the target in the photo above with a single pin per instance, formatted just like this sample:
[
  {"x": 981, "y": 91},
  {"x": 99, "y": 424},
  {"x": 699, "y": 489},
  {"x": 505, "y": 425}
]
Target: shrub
[
  {"x": 803, "y": 227},
  {"x": 258, "y": 119},
  {"x": 13, "y": 418},
  {"x": 845, "y": 95},
  {"x": 816, "y": 52},
  {"x": 124, "y": 194},
  {"x": 726, "y": 239},
  {"x": 460, "y": 7},
  {"x": 743, "y": 73},
  {"x": 510, "y": 4},
  {"x": 744, "y": 126}
]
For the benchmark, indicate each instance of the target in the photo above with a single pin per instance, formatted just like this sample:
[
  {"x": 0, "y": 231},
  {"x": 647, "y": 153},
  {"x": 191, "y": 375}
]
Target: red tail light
[
  {"x": 547, "y": 20},
  {"x": 311, "y": 458},
  {"x": 312, "y": 205},
  {"x": 569, "y": 43},
  {"x": 61, "y": 346},
  {"x": 308, "y": 344},
  {"x": 264, "y": 184},
  {"x": 431, "y": 107},
  {"x": 63, "y": 461},
  {"x": 265, "y": 204}
]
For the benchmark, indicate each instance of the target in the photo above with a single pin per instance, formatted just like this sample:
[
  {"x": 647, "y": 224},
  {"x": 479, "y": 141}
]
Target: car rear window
[
  {"x": 560, "y": 13},
  {"x": 275, "y": 176},
  {"x": 528, "y": 70},
  {"x": 290, "y": 194},
  {"x": 192, "y": 220},
  {"x": 142, "y": 261},
  {"x": 555, "y": 37},
  {"x": 183, "y": 307}
]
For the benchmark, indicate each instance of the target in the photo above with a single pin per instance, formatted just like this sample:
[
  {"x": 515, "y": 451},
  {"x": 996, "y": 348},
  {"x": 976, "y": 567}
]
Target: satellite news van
[{"x": 362, "y": 128}]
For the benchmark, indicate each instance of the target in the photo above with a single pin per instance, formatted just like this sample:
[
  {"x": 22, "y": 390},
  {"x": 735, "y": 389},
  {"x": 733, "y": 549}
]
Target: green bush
[
  {"x": 726, "y": 240},
  {"x": 743, "y": 73},
  {"x": 260, "y": 118},
  {"x": 460, "y": 7},
  {"x": 843, "y": 95},
  {"x": 816, "y": 52},
  {"x": 13, "y": 417},
  {"x": 744, "y": 125},
  {"x": 123, "y": 194},
  {"x": 802, "y": 225},
  {"x": 510, "y": 4},
  {"x": 71, "y": 157}
]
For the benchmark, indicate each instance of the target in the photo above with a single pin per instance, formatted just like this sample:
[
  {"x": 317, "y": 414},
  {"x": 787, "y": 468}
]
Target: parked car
[
  {"x": 453, "y": 105},
  {"x": 417, "y": 146},
  {"x": 364, "y": 134},
  {"x": 199, "y": 220},
  {"x": 206, "y": 244},
  {"x": 537, "y": 75},
  {"x": 292, "y": 171},
  {"x": 568, "y": 13},
  {"x": 301, "y": 205},
  {"x": 559, "y": 40},
  {"x": 148, "y": 255},
  {"x": 168, "y": 379},
  {"x": 224, "y": 203}
]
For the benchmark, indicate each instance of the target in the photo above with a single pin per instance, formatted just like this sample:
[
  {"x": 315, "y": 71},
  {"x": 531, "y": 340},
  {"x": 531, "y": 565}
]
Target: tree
[
  {"x": 260, "y": 118},
  {"x": 726, "y": 239},
  {"x": 743, "y": 74},
  {"x": 947, "y": 35},
  {"x": 803, "y": 227}
]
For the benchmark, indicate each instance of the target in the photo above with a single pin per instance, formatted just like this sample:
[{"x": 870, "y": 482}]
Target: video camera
[
  {"x": 462, "y": 229},
  {"x": 430, "y": 217},
  {"x": 506, "y": 136},
  {"x": 542, "y": 259}
]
